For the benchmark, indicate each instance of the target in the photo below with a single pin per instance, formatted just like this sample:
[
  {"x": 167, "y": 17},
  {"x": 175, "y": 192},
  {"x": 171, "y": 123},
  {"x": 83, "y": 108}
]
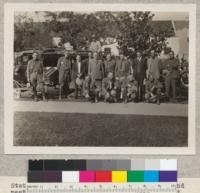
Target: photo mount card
[{"x": 73, "y": 126}]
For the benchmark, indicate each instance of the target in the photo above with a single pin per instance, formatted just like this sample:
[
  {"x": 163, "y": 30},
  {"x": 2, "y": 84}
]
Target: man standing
[
  {"x": 139, "y": 67},
  {"x": 35, "y": 75},
  {"x": 153, "y": 66},
  {"x": 122, "y": 68},
  {"x": 96, "y": 72},
  {"x": 171, "y": 72},
  {"x": 78, "y": 74},
  {"x": 64, "y": 70},
  {"x": 109, "y": 64}
]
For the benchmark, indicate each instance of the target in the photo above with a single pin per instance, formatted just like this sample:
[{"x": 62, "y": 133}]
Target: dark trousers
[
  {"x": 96, "y": 88},
  {"x": 140, "y": 89},
  {"x": 66, "y": 88},
  {"x": 64, "y": 80},
  {"x": 170, "y": 83}
]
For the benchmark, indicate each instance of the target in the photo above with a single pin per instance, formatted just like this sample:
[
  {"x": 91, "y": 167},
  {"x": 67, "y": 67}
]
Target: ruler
[{"x": 101, "y": 187}]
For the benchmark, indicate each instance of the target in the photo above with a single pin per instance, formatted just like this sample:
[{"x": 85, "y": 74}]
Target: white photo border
[{"x": 9, "y": 10}]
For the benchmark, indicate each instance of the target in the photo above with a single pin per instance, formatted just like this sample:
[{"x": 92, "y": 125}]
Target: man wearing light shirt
[
  {"x": 153, "y": 66},
  {"x": 78, "y": 74}
]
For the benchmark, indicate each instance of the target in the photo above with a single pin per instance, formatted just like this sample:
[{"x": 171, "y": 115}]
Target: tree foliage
[{"x": 133, "y": 30}]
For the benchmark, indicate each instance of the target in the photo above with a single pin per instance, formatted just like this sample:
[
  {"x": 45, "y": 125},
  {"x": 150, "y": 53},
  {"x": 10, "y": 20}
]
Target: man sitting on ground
[
  {"x": 152, "y": 90},
  {"x": 109, "y": 89},
  {"x": 129, "y": 89},
  {"x": 87, "y": 88}
]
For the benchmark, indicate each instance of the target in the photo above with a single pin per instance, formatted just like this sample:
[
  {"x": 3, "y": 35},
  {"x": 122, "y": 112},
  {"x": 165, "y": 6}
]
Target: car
[{"x": 50, "y": 57}]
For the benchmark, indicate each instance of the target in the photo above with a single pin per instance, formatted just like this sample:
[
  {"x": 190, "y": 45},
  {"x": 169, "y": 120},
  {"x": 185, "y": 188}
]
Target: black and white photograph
[{"x": 100, "y": 79}]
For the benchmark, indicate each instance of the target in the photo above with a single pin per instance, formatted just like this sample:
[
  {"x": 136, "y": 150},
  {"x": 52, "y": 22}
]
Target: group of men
[{"x": 112, "y": 79}]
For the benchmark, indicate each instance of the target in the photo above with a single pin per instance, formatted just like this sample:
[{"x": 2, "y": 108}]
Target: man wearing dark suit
[
  {"x": 171, "y": 75},
  {"x": 139, "y": 67},
  {"x": 64, "y": 71},
  {"x": 78, "y": 74}
]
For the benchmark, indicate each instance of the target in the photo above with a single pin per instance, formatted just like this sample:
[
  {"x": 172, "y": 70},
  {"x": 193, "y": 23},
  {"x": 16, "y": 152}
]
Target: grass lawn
[{"x": 75, "y": 129}]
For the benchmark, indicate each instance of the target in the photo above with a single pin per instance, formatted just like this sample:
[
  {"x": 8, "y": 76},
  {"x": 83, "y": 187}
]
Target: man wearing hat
[
  {"x": 35, "y": 75},
  {"x": 64, "y": 70}
]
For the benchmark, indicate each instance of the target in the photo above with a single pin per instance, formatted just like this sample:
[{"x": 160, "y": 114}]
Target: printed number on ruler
[{"x": 106, "y": 187}]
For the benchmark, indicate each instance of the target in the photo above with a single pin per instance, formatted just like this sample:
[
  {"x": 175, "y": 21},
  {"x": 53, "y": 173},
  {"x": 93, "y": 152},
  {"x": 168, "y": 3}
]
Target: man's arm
[
  {"x": 147, "y": 69},
  {"x": 89, "y": 67},
  {"x": 85, "y": 70},
  {"x": 160, "y": 65},
  {"x": 147, "y": 88},
  {"x": 116, "y": 68},
  {"x": 98, "y": 46},
  {"x": 58, "y": 64},
  {"x": 70, "y": 69},
  {"x": 128, "y": 68},
  {"x": 159, "y": 85},
  {"x": 175, "y": 64},
  {"x": 104, "y": 86},
  {"x": 102, "y": 69},
  {"x": 42, "y": 69},
  {"x": 133, "y": 67},
  {"x": 28, "y": 72}
]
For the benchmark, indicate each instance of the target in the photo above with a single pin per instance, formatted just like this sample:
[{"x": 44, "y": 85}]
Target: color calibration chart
[
  {"x": 103, "y": 171},
  {"x": 137, "y": 176}
]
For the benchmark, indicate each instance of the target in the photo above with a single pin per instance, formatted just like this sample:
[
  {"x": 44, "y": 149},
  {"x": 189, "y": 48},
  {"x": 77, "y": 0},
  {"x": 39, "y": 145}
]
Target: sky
[{"x": 39, "y": 17}]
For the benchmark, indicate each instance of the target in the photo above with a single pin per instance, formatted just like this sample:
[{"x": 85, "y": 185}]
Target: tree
[
  {"x": 23, "y": 31},
  {"x": 29, "y": 34},
  {"x": 138, "y": 33},
  {"x": 133, "y": 30}
]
